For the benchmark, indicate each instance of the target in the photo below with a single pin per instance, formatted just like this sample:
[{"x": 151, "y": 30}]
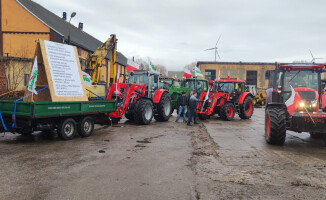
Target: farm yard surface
[{"x": 164, "y": 160}]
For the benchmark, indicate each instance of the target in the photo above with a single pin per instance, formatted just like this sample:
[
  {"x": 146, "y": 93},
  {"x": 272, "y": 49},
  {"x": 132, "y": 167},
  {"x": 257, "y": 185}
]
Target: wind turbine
[
  {"x": 313, "y": 58},
  {"x": 215, "y": 48}
]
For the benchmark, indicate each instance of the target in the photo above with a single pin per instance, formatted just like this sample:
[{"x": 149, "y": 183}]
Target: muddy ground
[{"x": 213, "y": 160}]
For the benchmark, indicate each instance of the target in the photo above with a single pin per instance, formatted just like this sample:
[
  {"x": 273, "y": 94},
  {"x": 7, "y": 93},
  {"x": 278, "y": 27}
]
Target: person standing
[
  {"x": 193, "y": 101},
  {"x": 188, "y": 99},
  {"x": 182, "y": 103}
]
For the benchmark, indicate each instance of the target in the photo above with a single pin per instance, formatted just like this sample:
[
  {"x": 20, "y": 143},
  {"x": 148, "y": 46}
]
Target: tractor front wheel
[
  {"x": 275, "y": 125},
  {"x": 227, "y": 111},
  {"x": 143, "y": 111},
  {"x": 164, "y": 107},
  {"x": 247, "y": 108}
]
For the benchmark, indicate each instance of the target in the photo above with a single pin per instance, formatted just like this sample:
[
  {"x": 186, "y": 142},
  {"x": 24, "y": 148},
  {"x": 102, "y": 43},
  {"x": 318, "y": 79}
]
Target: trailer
[{"x": 68, "y": 118}]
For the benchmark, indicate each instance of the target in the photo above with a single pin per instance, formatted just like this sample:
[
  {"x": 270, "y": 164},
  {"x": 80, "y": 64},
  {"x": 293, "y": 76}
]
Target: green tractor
[{"x": 176, "y": 87}]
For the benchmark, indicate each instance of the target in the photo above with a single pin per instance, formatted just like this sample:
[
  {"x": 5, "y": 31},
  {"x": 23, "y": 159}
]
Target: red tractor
[
  {"x": 140, "y": 99},
  {"x": 295, "y": 102},
  {"x": 226, "y": 97}
]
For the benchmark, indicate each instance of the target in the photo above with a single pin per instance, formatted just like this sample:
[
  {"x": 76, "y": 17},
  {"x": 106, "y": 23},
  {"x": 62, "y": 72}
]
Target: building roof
[{"x": 77, "y": 37}]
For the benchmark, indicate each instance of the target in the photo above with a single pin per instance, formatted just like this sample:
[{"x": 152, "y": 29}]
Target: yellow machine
[
  {"x": 260, "y": 98},
  {"x": 95, "y": 63}
]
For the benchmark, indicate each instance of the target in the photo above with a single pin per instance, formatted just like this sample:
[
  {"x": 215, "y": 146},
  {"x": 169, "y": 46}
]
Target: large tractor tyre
[
  {"x": 275, "y": 125},
  {"x": 247, "y": 108},
  {"x": 227, "y": 111},
  {"x": 85, "y": 127},
  {"x": 163, "y": 108},
  {"x": 143, "y": 111},
  {"x": 129, "y": 115},
  {"x": 202, "y": 116},
  {"x": 316, "y": 135},
  {"x": 67, "y": 129},
  {"x": 324, "y": 138}
]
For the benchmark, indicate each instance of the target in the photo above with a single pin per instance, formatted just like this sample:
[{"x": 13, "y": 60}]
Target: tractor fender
[
  {"x": 158, "y": 94},
  {"x": 243, "y": 96}
]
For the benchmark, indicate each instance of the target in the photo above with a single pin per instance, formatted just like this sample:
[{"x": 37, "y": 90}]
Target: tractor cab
[
  {"x": 150, "y": 80},
  {"x": 234, "y": 87},
  {"x": 195, "y": 84},
  {"x": 299, "y": 87},
  {"x": 295, "y": 102}
]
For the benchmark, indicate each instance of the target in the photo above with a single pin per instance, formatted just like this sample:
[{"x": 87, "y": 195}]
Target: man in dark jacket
[
  {"x": 182, "y": 102},
  {"x": 193, "y": 101},
  {"x": 188, "y": 98}
]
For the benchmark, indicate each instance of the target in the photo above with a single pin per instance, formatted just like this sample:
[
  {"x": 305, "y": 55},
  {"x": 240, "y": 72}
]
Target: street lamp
[{"x": 71, "y": 16}]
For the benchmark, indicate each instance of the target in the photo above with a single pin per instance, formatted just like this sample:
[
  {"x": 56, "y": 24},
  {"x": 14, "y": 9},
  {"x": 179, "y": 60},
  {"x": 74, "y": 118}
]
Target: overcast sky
[{"x": 175, "y": 33}]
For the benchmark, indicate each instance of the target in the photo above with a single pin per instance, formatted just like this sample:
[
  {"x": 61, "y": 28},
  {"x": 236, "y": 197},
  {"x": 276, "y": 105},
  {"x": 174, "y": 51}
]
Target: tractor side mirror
[{"x": 155, "y": 78}]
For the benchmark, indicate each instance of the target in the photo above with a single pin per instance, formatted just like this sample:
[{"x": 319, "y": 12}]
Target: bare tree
[
  {"x": 143, "y": 65},
  {"x": 191, "y": 66}
]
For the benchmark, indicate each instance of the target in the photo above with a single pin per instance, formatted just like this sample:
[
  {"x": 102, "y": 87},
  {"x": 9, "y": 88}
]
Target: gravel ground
[{"x": 165, "y": 160}]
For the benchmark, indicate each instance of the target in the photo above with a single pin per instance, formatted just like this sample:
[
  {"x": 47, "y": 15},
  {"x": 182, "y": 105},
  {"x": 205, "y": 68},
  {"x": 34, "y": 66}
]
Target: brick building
[{"x": 254, "y": 73}]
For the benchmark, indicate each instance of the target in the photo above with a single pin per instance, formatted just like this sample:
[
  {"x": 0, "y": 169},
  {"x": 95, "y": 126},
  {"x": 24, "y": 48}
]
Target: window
[
  {"x": 267, "y": 74},
  {"x": 26, "y": 77},
  {"x": 251, "y": 77},
  {"x": 210, "y": 74}
]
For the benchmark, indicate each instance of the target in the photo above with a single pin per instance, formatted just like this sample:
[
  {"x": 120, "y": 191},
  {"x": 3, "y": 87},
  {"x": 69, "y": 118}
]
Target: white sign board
[{"x": 64, "y": 70}]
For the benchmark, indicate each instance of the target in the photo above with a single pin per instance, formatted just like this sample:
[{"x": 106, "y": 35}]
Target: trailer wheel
[
  {"x": 85, "y": 127},
  {"x": 275, "y": 125},
  {"x": 164, "y": 107},
  {"x": 143, "y": 111},
  {"x": 67, "y": 129},
  {"x": 247, "y": 108},
  {"x": 227, "y": 111}
]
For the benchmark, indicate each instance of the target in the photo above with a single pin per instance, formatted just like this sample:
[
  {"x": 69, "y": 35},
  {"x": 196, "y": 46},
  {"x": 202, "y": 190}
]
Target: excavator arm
[{"x": 96, "y": 59}]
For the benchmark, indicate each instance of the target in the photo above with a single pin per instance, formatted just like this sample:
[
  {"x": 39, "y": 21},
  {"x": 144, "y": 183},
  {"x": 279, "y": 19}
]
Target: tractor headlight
[
  {"x": 302, "y": 104},
  {"x": 314, "y": 103}
]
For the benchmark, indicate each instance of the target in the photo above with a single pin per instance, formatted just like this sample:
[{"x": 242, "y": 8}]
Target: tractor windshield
[
  {"x": 139, "y": 78},
  {"x": 196, "y": 85},
  {"x": 306, "y": 79},
  {"x": 225, "y": 87}
]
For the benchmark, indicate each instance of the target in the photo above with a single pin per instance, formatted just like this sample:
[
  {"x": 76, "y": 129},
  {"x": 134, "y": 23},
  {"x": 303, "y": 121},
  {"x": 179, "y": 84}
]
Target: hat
[{"x": 183, "y": 93}]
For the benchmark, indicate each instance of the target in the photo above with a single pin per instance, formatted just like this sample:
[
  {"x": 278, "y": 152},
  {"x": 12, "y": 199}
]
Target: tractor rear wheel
[
  {"x": 227, "y": 111},
  {"x": 275, "y": 125},
  {"x": 143, "y": 111},
  {"x": 247, "y": 108},
  {"x": 164, "y": 107}
]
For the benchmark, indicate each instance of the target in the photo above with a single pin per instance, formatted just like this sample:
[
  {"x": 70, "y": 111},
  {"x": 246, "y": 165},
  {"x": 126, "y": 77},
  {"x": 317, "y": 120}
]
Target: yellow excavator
[{"x": 95, "y": 63}]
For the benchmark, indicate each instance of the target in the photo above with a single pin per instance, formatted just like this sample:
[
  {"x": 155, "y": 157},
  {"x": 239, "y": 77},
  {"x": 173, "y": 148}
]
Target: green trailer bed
[{"x": 52, "y": 109}]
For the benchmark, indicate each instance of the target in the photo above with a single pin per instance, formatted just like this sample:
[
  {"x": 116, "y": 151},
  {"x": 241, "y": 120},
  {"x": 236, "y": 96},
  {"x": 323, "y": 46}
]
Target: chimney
[
  {"x": 80, "y": 25},
  {"x": 64, "y": 16}
]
